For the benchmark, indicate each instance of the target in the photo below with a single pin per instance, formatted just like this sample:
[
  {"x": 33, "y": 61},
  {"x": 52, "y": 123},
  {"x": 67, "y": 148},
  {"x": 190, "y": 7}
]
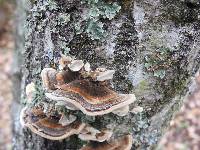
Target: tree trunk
[{"x": 152, "y": 45}]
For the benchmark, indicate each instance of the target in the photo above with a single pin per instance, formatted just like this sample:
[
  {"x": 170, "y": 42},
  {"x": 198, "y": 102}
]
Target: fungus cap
[
  {"x": 123, "y": 111},
  {"x": 21, "y": 117},
  {"x": 106, "y": 75},
  {"x": 76, "y": 65},
  {"x": 91, "y": 98},
  {"x": 64, "y": 61},
  {"x": 137, "y": 109},
  {"x": 66, "y": 120},
  {"x": 49, "y": 78},
  {"x": 49, "y": 127},
  {"x": 60, "y": 77},
  {"x": 91, "y": 134},
  {"x": 68, "y": 105},
  {"x": 122, "y": 143},
  {"x": 87, "y": 67},
  {"x": 30, "y": 91}
]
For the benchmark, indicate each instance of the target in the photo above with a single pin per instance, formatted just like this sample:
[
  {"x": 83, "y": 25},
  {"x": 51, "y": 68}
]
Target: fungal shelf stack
[{"x": 76, "y": 87}]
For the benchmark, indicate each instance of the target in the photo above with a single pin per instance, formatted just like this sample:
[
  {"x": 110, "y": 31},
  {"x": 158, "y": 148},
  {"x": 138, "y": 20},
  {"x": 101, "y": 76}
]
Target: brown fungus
[
  {"x": 122, "y": 143},
  {"x": 48, "y": 76},
  {"x": 90, "y": 97},
  {"x": 48, "y": 126},
  {"x": 67, "y": 119},
  {"x": 63, "y": 77},
  {"x": 51, "y": 77}
]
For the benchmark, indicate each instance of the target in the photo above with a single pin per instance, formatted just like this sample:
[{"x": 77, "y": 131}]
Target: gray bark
[{"x": 153, "y": 45}]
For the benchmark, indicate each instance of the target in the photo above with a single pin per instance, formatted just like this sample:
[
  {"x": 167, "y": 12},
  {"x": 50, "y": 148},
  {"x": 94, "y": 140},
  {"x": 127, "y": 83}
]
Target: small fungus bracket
[
  {"x": 48, "y": 126},
  {"x": 121, "y": 143}
]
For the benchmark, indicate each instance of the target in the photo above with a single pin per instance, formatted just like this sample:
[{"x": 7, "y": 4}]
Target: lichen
[
  {"x": 39, "y": 95},
  {"x": 159, "y": 61},
  {"x": 96, "y": 12}
]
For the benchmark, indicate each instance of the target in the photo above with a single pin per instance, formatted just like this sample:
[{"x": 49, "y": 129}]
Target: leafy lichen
[
  {"x": 96, "y": 11},
  {"x": 159, "y": 61}
]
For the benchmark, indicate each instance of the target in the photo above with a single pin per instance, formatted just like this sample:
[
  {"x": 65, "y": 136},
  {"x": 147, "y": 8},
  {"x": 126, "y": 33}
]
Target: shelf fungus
[
  {"x": 77, "y": 87},
  {"x": 48, "y": 76},
  {"x": 30, "y": 92},
  {"x": 64, "y": 61},
  {"x": 123, "y": 111},
  {"x": 91, "y": 134},
  {"x": 51, "y": 78},
  {"x": 122, "y": 143},
  {"x": 105, "y": 75},
  {"x": 90, "y": 97},
  {"x": 137, "y": 110},
  {"x": 51, "y": 127},
  {"x": 80, "y": 88},
  {"x": 76, "y": 65}
]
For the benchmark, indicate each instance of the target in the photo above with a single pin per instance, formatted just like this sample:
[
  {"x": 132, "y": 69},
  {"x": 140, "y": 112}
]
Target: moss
[{"x": 141, "y": 87}]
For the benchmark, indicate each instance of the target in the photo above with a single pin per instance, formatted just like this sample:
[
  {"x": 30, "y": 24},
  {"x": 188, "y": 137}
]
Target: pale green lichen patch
[
  {"x": 94, "y": 14},
  {"x": 141, "y": 89},
  {"x": 159, "y": 61}
]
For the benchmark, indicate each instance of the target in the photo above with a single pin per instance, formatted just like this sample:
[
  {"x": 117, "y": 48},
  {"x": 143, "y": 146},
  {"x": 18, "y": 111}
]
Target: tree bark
[{"x": 152, "y": 45}]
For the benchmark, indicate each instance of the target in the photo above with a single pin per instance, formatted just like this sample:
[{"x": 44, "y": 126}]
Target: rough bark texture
[{"x": 153, "y": 46}]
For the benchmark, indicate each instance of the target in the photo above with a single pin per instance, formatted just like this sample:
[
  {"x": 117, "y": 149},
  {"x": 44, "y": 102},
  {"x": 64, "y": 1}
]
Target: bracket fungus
[
  {"x": 122, "y": 143},
  {"x": 137, "y": 110},
  {"x": 87, "y": 67},
  {"x": 64, "y": 61},
  {"x": 66, "y": 120},
  {"x": 30, "y": 92},
  {"x": 105, "y": 75},
  {"x": 48, "y": 76},
  {"x": 77, "y": 87},
  {"x": 76, "y": 65},
  {"x": 48, "y": 126},
  {"x": 87, "y": 93},
  {"x": 91, "y": 98},
  {"x": 123, "y": 111},
  {"x": 91, "y": 134}
]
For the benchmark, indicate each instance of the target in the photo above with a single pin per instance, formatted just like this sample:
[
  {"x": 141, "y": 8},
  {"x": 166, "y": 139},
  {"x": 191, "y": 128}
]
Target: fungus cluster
[
  {"x": 76, "y": 86},
  {"x": 122, "y": 143}
]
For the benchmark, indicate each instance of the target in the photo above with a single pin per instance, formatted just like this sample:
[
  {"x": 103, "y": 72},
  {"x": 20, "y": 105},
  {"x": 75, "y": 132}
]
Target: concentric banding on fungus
[
  {"x": 91, "y": 98},
  {"x": 121, "y": 143},
  {"x": 49, "y": 127},
  {"x": 48, "y": 76}
]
